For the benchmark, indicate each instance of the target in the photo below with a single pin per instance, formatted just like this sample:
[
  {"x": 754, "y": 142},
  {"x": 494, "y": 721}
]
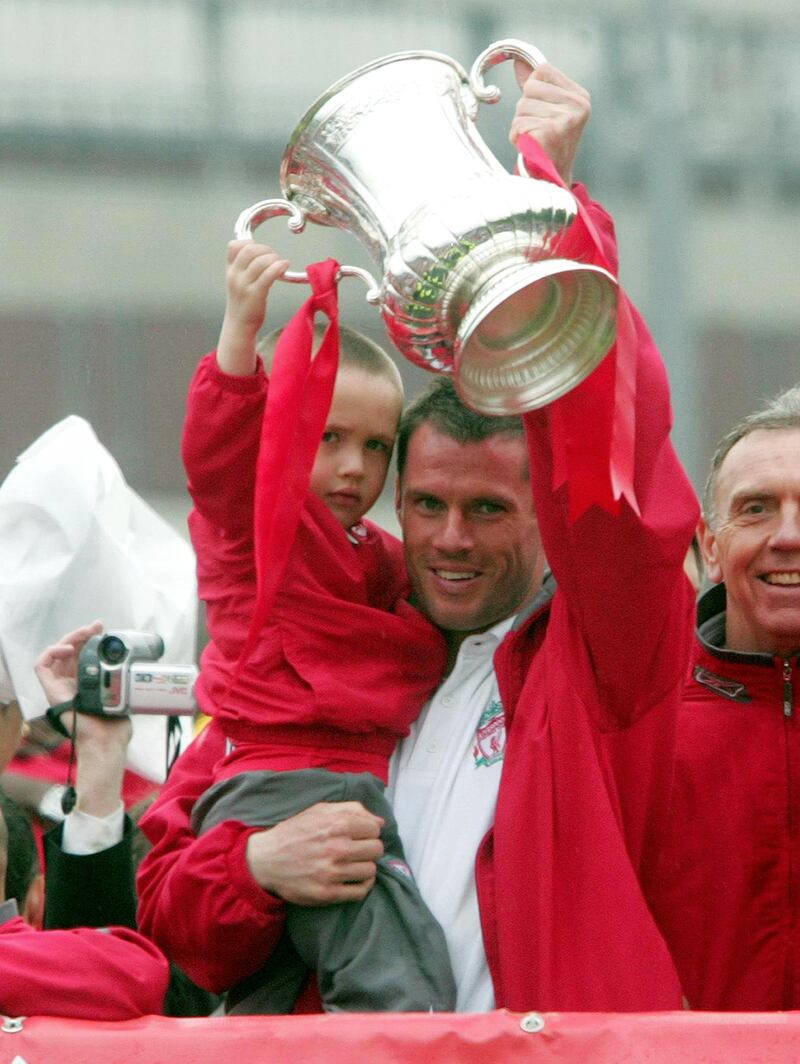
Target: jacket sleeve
[
  {"x": 624, "y": 608},
  {"x": 197, "y": 898},
  {"x": 89, "y": 890},
  {"x": 220, "y": 442},
  {"x": 110, "y": 974},
  {"x": 97, "y": 890}
]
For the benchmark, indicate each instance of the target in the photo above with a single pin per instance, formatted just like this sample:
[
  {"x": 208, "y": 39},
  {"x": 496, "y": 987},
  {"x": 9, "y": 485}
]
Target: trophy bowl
[{"x": 472, "y": 282}]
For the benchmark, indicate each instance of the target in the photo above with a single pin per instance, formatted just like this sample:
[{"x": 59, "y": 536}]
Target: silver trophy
[{"x": 471, "y": 279}]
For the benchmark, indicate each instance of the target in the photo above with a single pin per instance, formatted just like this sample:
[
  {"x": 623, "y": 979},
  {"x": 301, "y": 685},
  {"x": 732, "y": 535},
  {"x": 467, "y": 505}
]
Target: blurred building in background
[{"x": 133, "y": 132}]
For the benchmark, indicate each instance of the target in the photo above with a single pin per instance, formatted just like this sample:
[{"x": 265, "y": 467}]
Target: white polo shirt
[{"x": 443, "y": 787}]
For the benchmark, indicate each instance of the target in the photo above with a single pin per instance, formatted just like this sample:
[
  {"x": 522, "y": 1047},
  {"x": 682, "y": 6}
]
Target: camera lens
[{"x": 112, "y": 649}]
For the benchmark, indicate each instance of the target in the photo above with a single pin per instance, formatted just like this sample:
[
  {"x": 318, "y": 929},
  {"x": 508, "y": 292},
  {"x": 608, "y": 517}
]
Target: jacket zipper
[
  {"x": 787, "y": 688},
  {"x": 790, "y": 974}
]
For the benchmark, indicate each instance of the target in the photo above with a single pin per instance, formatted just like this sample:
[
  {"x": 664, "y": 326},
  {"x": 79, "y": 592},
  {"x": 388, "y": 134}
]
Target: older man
[
  {"x": 727, "y": 888},
  {"x": 528, "y": 791}
]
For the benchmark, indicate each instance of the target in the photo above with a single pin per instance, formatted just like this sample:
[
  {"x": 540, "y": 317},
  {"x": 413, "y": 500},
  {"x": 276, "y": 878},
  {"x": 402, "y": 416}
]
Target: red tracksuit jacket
[
  {"x": 113, "y": 974},
  {"x": 726, "y": 890}
]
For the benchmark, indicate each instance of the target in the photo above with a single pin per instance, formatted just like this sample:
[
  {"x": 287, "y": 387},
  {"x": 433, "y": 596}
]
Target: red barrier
[{"x": 493, "y": 1038}]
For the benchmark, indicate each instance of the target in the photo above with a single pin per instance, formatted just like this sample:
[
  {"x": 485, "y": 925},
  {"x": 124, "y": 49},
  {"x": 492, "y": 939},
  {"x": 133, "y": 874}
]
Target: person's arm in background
[
  {"x": 110, "y": 974},
  {"x": 88, "y": 860}
]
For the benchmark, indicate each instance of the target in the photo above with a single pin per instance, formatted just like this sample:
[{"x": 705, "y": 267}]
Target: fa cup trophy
[{"x": 471, "y": 279}]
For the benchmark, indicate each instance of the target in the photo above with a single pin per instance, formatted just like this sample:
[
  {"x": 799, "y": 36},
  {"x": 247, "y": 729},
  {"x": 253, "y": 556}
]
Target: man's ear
[
  {"x": 398, "y": 506},
  {"x": 33, "y": 909},
  {"x": 710, "y": 551}
]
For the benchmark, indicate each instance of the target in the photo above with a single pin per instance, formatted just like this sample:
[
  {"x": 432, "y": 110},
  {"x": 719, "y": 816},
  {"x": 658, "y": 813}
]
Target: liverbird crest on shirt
[{"x": 490, "y": 735}]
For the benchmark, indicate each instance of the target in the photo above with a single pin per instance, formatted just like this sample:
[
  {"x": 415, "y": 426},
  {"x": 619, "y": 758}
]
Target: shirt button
[
  {"x": 447, "y": 700},
  {"x": 432, "y": 747}
]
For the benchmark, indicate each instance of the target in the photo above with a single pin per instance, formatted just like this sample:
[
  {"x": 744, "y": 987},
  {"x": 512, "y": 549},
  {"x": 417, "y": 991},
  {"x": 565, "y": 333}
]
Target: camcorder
[{"x": 118, "y": 675}]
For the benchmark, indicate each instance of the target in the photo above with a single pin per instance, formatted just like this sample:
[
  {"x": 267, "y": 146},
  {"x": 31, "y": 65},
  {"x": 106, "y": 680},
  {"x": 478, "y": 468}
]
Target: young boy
[{"x": 318, "y": 668}]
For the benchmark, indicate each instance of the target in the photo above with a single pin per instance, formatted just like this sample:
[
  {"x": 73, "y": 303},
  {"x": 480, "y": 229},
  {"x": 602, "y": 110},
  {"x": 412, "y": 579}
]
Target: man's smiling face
[
  {"x": 470, "y": 534},
  {"x": 754, "y": 544}
]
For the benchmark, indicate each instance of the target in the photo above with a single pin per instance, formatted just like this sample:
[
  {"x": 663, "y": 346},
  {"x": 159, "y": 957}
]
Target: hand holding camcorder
[{"x": 118, "y": 674}]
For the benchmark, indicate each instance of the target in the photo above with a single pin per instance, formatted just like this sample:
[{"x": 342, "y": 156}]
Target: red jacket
[
  {"x": 343, "y": 662},
  {"x": 113, "y": 974},
  {"x": 726, "y": 889},
  {"x": 591, "y": 684}
]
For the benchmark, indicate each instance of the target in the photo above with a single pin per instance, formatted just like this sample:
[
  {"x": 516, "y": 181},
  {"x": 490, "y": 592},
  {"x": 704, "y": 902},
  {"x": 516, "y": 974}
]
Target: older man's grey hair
[{"x": 781, "y": 412}]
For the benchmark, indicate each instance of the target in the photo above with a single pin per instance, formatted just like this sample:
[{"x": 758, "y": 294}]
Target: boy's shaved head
[{"x": 355, "y": 350}]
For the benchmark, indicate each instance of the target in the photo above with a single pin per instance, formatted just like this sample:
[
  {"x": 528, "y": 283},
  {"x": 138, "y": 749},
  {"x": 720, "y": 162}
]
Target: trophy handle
[
  {"x": 251, "y": 218},
  {"x": 496, "y": 53}
]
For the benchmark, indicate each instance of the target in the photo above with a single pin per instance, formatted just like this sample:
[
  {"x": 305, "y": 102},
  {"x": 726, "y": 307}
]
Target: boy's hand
[
  {"x": 251, "y": 272},
  {"x": 554, "y": 110}
]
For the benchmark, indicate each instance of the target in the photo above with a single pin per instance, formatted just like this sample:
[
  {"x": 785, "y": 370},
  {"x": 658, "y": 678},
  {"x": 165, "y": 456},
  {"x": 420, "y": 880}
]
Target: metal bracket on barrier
[
  {"x": 12, "y": 1024},
  {"x": 533, "y": 1022}
]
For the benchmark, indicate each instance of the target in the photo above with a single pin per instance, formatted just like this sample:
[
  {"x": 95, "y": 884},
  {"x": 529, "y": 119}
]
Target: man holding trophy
[{"x": 548, "y": 549}]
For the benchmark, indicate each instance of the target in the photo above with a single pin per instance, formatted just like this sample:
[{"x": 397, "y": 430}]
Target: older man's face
[
  {"x": 754, "y": 545},
  {"x": 470, "y": 534}
]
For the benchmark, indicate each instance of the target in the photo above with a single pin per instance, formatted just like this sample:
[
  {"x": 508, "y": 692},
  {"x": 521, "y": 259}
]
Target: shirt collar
[
  {"x": 711, "y": 629},
  {"x": 489, "y": 640}
]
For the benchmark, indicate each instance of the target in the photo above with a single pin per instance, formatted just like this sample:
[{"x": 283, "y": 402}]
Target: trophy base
[{"x": 533, "y": 331}]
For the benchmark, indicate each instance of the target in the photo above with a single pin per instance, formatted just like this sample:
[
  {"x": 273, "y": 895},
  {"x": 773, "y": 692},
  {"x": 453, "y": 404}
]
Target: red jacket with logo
[
  {"x": 727, "y": 884},
  {"x": 591, "y": 685}
]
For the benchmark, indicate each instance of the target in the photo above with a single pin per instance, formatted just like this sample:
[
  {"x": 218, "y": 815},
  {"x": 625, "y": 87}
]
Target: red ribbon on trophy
[{"x": 598, "y": 465}]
